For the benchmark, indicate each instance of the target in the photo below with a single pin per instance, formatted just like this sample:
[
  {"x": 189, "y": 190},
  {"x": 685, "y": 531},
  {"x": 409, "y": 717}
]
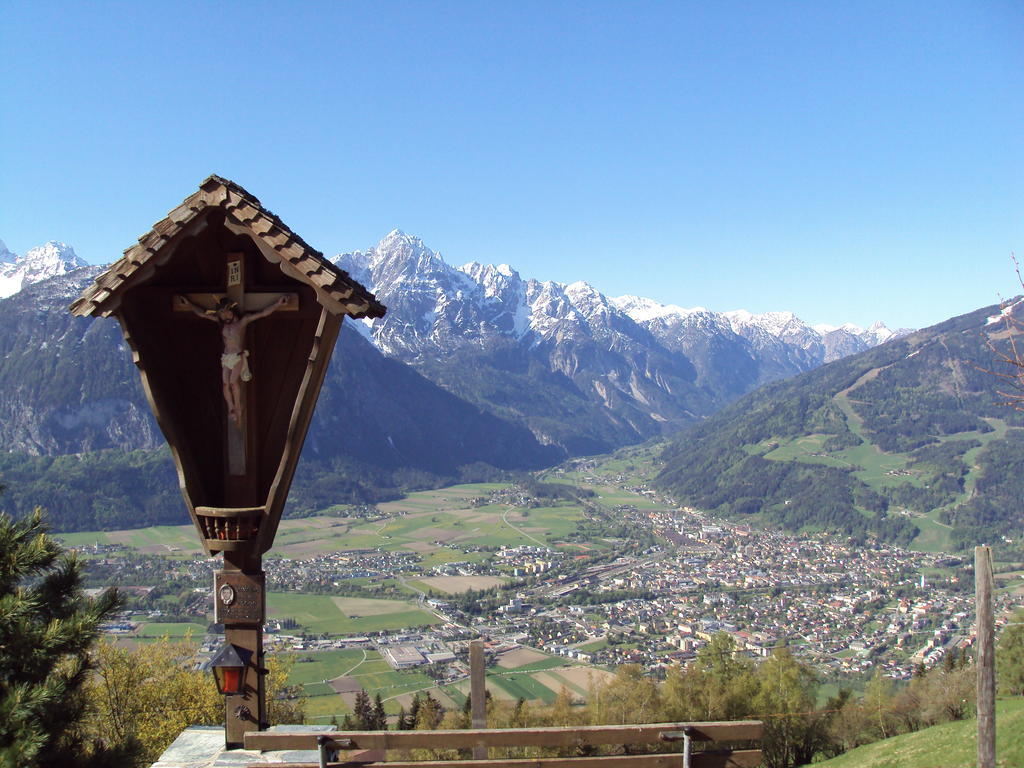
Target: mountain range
[
  {"x": 584, "y": 372},
  {"x": 473, "y": 369}
]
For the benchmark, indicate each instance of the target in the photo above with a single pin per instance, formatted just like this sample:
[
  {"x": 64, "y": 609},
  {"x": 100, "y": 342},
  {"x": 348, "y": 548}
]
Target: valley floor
[{"x": 589, "y": 569}]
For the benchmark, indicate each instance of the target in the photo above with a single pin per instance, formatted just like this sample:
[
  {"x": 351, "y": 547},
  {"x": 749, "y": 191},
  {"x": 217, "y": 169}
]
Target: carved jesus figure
[{"x": 234, "y": 360}]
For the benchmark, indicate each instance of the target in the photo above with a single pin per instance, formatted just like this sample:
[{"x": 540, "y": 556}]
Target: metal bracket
[
  {"x": 328, "y": 748},
  {"x": 685, "y": 736}
]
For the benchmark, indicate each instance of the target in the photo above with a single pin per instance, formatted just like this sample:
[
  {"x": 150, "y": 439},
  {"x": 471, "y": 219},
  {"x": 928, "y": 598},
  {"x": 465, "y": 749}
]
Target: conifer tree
[
  {"x": 414, "y": 713},
  {"x": 429, "y": 715},
  {"x": 380, "y": 719},
  {"x": 47, "y": 626},
  {"x": 362, "y": 711}
]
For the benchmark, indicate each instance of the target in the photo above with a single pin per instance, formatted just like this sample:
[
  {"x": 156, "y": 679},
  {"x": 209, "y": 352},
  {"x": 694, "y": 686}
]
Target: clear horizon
[{"x": 849, "y": 164}]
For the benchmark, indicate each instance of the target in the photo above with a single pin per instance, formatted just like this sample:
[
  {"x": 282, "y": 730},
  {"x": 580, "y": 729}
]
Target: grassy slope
[{"x": 943, "y": 746}]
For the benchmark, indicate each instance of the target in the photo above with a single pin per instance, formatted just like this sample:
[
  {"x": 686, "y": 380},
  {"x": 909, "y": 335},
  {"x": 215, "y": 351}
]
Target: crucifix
[{"x": 234, "y": 310}]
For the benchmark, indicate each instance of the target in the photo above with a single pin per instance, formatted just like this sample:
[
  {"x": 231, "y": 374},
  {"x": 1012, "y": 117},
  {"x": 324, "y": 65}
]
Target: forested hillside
[{"x": 909, "y": 442}]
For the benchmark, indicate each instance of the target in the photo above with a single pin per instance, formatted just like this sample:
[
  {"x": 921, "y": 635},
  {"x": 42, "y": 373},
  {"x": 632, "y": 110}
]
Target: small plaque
[
  {"x": 234, "y": 273},
  {"x": 238, "y": 598}
]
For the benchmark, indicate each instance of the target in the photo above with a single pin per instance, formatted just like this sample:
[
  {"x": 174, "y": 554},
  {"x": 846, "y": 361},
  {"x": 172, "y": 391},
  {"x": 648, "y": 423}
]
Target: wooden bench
[{"x": 333, "y": 745}]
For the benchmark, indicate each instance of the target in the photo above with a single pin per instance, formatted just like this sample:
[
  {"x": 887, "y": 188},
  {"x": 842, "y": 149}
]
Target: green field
[
  {"x": 950, "y": 745},
  {"x": 439, "y": 525},
  {"x": 934, "y": 536},
  {"x": 632, "y": 465},
  {"x": 180, "y": 540},
  {"x": 155, "y": 630},
  {"x": 553, "y": 662},
  {"x": 522, "y": 686},
  {"x": 594, "y": 645},
  {"x": 320, "y": 613},
  {"x": 313, "y": 669},
  {"x": 317, "y": 666}
]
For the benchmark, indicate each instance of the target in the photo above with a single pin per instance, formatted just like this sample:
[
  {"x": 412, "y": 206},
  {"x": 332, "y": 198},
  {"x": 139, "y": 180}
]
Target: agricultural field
[
  {"x": 331, "y": 679},
  {"x": 439, "y": 525},
  {"x": 345, "y": 615},
  {"x": 455, "y": 585},
  {"x": 155, "y": 630},
  {"x": 636, "y": 464},
  {"x": 174, "y": 540},
  {"x": 442, "y": 532}
]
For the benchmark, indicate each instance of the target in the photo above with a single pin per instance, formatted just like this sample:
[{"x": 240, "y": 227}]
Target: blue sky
[{"x": 849, "y": 161}]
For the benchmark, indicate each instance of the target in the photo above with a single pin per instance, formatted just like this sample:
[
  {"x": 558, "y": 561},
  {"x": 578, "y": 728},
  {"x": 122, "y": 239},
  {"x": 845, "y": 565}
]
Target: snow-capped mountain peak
[
  {"x": 642, "y": 309},
  {"x": 776, "y": 324},
  {"x": 48, "y": 260},
  {"x": 878, "y": 333},
  {"x": 6, "y": 255}
]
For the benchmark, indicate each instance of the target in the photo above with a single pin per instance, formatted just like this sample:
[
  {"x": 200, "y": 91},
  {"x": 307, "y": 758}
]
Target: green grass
[
  {"x": 825, "y": 692},
  {"x": 797, "y": 449},
  {"x": 523, "y": 686},
  {"x": 393, "y": 682},
  {"x": 319, "y": 613},
  {"x": 951, "y": 745},
  {"x": 317, "y": 666},
  {"x": 459, "y": 697},
  {"x": 933, "y": 536},
  {"x": 311, "y": 669},
  {"x": 154, "y": 630},
  {"x": 541, "y": 664},
  {"x": 179, "y": 540},
  {"x": 447, "y": 510}
]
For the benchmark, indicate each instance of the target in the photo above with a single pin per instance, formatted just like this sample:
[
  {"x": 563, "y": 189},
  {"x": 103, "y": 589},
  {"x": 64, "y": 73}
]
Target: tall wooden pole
[
  {"x": 478, "y": 692},
  {"x": 243, "y": 584},
  {"x": 986, "y": 658},
  {"x": 243, "y": 568}
]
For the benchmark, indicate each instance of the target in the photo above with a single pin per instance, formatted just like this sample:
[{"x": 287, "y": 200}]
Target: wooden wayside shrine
[{"x": 231, "y": 319}]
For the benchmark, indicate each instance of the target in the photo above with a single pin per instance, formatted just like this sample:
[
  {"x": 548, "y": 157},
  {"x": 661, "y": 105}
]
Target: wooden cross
[{"x": 247, "y": 303}]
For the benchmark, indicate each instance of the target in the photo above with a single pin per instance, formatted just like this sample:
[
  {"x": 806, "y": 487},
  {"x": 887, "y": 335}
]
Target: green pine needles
[{"x": 47, "y": 627}]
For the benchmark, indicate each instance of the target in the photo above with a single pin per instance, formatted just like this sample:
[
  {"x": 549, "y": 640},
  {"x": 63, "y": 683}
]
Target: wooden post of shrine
[{"x": 240, "y": 588}]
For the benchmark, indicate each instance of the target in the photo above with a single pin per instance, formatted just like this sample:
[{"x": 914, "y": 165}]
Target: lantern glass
[{"x": 228, "y": 668}]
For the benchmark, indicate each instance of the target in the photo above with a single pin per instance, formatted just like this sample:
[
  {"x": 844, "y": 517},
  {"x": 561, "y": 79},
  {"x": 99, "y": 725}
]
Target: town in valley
[{"x": 567, "y": 578}]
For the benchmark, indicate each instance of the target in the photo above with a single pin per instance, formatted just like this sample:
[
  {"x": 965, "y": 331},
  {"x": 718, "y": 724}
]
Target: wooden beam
[
  {"x": 253, "y": 301},
  {"x": 320, "y": 353},
  {"x": 744, "y": 758},
  {"x": 478, "y": 693},
  {"x": 738, "y": 730}
]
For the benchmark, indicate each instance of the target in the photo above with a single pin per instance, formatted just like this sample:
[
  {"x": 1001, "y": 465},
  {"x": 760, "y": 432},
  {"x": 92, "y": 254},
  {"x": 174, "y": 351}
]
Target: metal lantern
[{"x": 228, "y": 666}]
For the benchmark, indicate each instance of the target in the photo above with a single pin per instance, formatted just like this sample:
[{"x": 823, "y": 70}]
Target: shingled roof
[{"x": 335, "y": 289}]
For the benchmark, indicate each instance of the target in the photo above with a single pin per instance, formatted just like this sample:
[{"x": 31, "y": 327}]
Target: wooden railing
[{"x": 334, "y": 745}]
